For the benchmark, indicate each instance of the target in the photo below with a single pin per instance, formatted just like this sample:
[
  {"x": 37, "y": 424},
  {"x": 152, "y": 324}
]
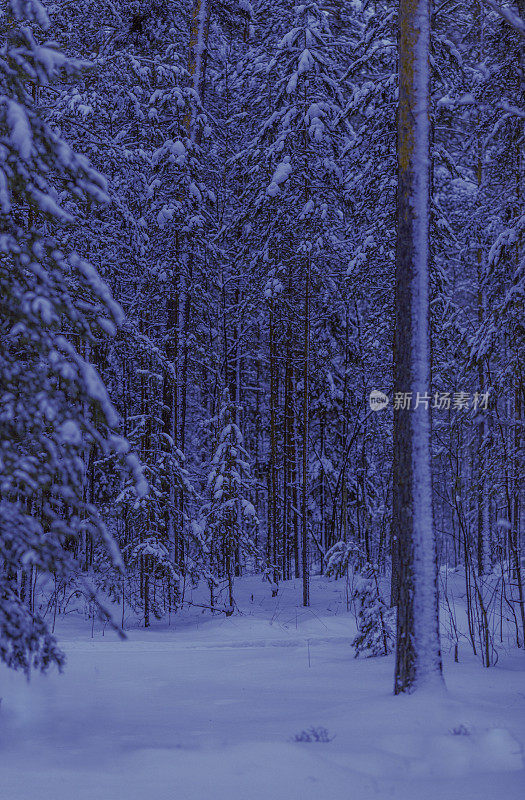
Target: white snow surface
[{"x": 208, "y": 707}]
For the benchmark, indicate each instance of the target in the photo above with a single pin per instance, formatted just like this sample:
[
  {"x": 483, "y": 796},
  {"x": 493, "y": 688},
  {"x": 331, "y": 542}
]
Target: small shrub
[
  {"x": 318, "y": 734},
  {"x": 460, "y": 730}
]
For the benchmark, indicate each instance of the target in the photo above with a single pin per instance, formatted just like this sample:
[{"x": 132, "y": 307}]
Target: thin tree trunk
[
  {"x": 287, "y": 457},
  {"x": 295, "y": 492},
  {"x": 483, "y": 554},
  {"x": 272, "y": 533},
  {"x": 197, "y": 55},
  {"x": 170, "y": 410},
  {"x": 304, "y": 510}
]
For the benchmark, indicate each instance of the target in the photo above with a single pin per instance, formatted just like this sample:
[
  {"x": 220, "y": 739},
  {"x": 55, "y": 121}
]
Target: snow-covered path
[{"x": 210, "y": 709}]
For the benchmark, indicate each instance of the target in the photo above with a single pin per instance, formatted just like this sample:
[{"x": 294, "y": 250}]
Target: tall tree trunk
[
  {"x": 306, "y": 389},
  {"x": 170, "y": 412},
  {"x": 418, "y": 657},
  {"x": 295, "y": 488},
  {"x": 287, "y": 456},
  {"x": 272, "y": 504},
  {"x": 483, "y": 554},
  {"x": 516, "y": 527}
]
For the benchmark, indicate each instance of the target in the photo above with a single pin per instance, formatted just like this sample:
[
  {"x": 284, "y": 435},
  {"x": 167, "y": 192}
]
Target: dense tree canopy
[{"x": 197, "y": 268}]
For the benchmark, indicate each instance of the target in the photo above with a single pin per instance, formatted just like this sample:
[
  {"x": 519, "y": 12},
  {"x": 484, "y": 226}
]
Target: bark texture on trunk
[{"x": 418, "y": 658}]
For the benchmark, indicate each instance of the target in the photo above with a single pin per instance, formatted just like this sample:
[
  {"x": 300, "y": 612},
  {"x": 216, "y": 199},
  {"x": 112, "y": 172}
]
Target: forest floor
[{"x": 209, "y": 707}]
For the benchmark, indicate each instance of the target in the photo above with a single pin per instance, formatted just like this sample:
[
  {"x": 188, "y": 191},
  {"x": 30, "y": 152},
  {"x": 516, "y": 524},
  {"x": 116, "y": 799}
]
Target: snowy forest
[{"x": 262, "y": 377}]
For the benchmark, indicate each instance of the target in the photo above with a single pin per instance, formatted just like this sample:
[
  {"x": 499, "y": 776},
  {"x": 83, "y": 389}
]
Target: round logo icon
[{"x": 378, "y": 400}]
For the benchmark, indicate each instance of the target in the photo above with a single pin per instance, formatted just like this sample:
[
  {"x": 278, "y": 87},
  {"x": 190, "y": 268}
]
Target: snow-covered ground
[{"x": 209, "y": 707}]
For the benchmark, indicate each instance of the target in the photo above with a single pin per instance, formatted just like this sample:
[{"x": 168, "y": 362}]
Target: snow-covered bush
[{"x": 339, "y": 557}]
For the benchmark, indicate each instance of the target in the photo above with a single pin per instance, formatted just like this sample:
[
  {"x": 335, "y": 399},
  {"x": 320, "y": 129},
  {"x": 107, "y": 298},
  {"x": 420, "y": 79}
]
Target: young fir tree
[
  {"x": 54, "y": 406},
  {"x": 229, "y": 518},
  {"x": 375, "y": 620}
]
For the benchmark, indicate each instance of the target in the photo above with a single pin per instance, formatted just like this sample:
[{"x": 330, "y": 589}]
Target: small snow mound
[
  {"x": 453, "y": 755},
  {"x": 499, "y": 750}
]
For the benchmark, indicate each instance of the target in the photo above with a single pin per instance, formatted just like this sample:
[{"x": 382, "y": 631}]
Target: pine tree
[{"x": 55, "y": 408}]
